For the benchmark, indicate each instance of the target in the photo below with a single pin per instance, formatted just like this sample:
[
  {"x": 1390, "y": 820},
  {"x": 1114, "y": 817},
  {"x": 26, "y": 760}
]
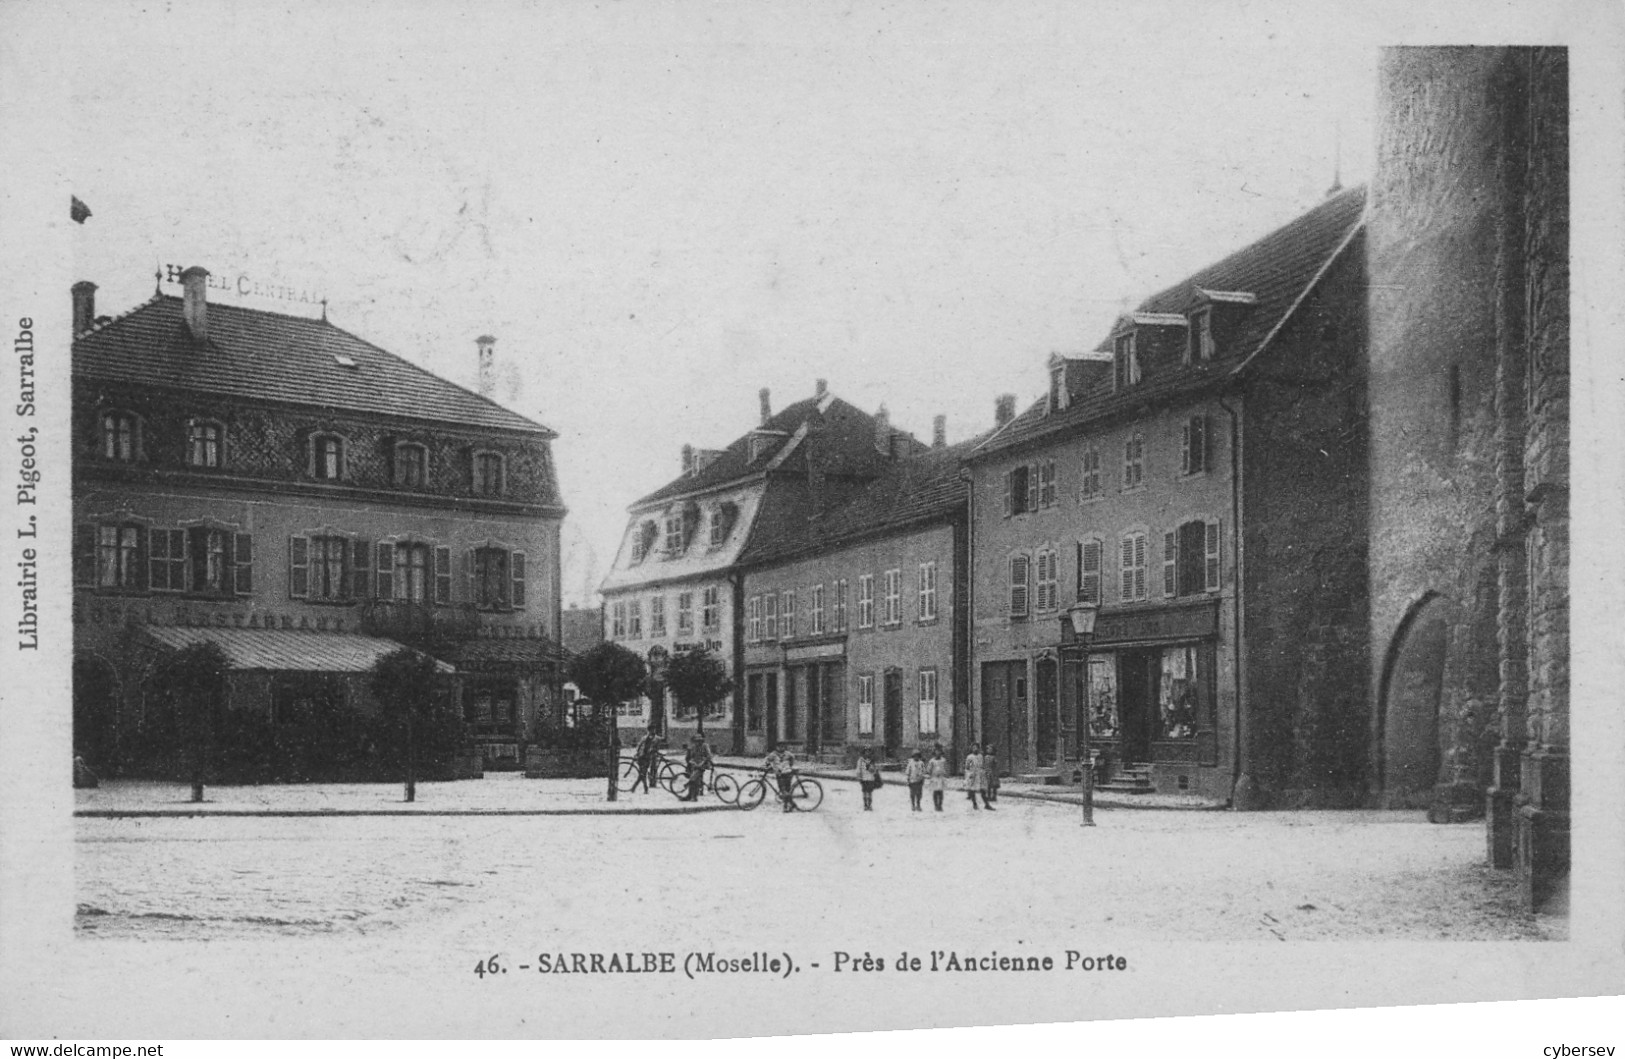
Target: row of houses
[{"x": 1294, "y": 532}]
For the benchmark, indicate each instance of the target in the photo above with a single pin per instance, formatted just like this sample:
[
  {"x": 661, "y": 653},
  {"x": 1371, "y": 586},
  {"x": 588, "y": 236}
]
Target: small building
[
  {"x": 856, "y": 621},
  {"x": 308, "y": 501},
  {"x": 676, "y": 584},
  {"x": 1196, "y": 486}
]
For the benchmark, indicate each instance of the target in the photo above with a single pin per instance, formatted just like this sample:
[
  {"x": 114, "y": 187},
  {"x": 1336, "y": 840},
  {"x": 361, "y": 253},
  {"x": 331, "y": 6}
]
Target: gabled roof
[
  {"x": 914, "y": 490},
  {"x": 1277, "y": 271},
  {"x": 268, "y": 356},
  {"x": 839, "y": 437}
]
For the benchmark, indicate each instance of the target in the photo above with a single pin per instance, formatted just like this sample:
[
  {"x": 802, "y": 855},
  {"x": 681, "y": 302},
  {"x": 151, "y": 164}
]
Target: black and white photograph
[{"x": 649, "y": 520}]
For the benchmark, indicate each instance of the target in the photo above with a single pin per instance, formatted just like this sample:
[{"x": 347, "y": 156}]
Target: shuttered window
[
  {"x": 1132, "y": 584},
  {"x": 1019, "y": 576},
  {"x": 1089, "y": 570},
  {"x": 1193, "y": 446}
]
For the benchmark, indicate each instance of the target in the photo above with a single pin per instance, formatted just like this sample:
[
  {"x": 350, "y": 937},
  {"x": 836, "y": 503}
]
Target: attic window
[
  {"x": 1058, "y": 395},
  {"x": 344, "y": 361},
  {"x": 759, "y": 444},
  {"x": 1199, "y": 344},
  {"x": 1125, "y": 361}
]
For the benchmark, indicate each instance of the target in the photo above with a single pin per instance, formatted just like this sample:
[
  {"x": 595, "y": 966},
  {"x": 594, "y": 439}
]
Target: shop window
[
  {"x": 1103, "y": 715},
  {"x": 205, "y": 443},
  {"x": 755, "y": 714},
  {"x": 1178, "y": 698}
]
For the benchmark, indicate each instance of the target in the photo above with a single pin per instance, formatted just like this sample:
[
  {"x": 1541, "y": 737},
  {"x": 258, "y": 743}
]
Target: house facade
[
  {"x": 307, "y": 501},
  {"x": 856, "y": 624},
  {"x": 1197, "y": 485},
  {"x": 676, "y": 582}
]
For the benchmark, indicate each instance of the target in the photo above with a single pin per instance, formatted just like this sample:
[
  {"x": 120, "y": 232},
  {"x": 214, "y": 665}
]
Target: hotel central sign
[{"x": 245, "y": 285}]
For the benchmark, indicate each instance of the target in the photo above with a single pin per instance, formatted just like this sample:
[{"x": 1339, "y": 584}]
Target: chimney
[
  {"x": 767, "y": 406},
  {"x": 939, "y": 432},
  {"x": 688, "y": 460},
  {"x": 487, "y": 365},
  {"x": 1004, "y": 409},
  {"x": 195, "y": 301},
  {"x": 883, "y": 432},
  {"x": 820, "y": 388},
  {"x": 84, "y": 306}
]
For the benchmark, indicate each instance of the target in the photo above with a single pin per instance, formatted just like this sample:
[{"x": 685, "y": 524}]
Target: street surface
[{"x": 719, "y": 878}]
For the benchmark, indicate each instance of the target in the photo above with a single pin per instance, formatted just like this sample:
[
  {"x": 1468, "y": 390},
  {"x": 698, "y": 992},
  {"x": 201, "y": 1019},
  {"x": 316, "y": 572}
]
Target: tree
[
  {"x": 195, "y": 677},
  {"x": 699, "y": 681},
  {"x": 609, "y": 674},
  {"x": 403, "y": 682}
]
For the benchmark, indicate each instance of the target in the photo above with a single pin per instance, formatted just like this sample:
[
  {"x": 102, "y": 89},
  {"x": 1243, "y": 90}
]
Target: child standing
[
  {"x": 973, "y": 774},
  {"x": 868, "y": 777},
  {"x": 915, "y": 775},
  {"x": 936, "y": 773}
]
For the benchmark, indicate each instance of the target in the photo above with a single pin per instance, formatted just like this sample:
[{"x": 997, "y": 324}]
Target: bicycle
[
  {"x": 720, "y": 783},
  {"x": 659, "y": 773},
  {"x": 805, "y": 795}
]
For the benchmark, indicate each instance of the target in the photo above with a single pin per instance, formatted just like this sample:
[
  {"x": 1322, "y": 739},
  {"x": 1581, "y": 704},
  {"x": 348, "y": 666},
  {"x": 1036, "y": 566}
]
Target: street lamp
[{"x": 1080, "y": 621}]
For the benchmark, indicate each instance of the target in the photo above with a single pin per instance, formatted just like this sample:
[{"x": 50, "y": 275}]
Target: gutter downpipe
[
  {"x": 971, "y": 728},
  {"x": 1242, "y": 793}
]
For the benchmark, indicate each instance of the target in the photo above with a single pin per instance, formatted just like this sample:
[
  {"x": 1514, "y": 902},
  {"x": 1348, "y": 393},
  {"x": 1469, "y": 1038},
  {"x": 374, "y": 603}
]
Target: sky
[{"x": 660, "y": 208}]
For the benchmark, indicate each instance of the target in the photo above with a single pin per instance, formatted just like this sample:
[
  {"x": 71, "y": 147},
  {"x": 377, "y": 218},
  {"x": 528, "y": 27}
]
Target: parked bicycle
[
  {"x": 805, "y": 793},
  {"x": 717, "y": 781}
]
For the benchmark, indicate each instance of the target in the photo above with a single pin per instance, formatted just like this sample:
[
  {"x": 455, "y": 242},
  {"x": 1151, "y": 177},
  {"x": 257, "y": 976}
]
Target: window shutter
[
  {"x": 1186, "y": 450},
  {"x": 442, "y": 575},
  {"x": 517, "y": 568},
  {"x": 1139, "y": 566},
  {"x": 1199, "y": 446},
  {"x": 1090, "y": 573},
  {"x": 243, "y": 572},
  {"x": 1032, "y": 487},
  {"x": 384, "y": 588},
  {"x": 1170, "y": 551},
  {"x": 358, "y": 557},
  {"x": 84, "y": 554},
  {"x": 1213, "y": 556},
  {"x": 1127, "y": 565},
  {"x": 1018, "y": 585},
  {"x": 298, "y": 567},
  {"x": 1009, "y": 493}
]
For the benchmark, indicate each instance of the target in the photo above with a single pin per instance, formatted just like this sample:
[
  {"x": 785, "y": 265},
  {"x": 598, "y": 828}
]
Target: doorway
[
  {"x": 1048, "y": 709},
  {"x": 1004, "y": 713},
  {"x": 1137, "y": 701},
  {"x": 892, "y": 723}
]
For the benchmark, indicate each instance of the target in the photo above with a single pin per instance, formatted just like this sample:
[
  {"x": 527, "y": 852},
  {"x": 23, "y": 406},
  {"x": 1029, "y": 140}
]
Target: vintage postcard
[{"x": 577, "y": 520}]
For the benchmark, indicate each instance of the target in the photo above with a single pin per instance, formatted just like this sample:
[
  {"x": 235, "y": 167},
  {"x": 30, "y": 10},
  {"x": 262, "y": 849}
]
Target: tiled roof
[
  {"x": 506, "y": 650},
  {"x": 269, "y": 356},
  {"x": 841, "y": 438},
  {"x": 1277, "y": 269},
  {"x": 286, "y": 650},
  {"x": 914, "y": 489}
]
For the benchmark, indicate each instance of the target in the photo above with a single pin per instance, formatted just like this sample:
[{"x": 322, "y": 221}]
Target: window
[
  {"x": 1193, "y": 447},
  {"x": 674, "y": 534},
  {"x": 411, "y": 465},
  {"x": 893, "y": 614},
  {"x": 866, "y": 601},
  {"x": 1048, "y": 578},
  {"x": 634, "y": 619},
  {"x": 1170, "y": 551},
  {"x": 327, "y": 457},
  {"x": 787, "y": 614},
  {"x": 442, "y": 577},
  {"x": 1019, "y": 573},
  {"x": 711, "y": 614},
  {"x": 617, "y": 620},
  {"x": 657, "y": 616},
  {"x": 489, "y": 474},
  {"x": 1021, "y": 490},
  {"x": 109, "y": 556},
  {"x": 643, "y": 540},
  {"x": 866, "y": 702},
  {"x": 203, "y": 443},
  {"x": 1091, "y": 473},
  {"x": 685, "y": 612},
  {"x": 928, "y": 592},
  {"x": 499, "y": 577},
  {"x": 928, "y": 703},
  {"x": 722, "y": 520},
  {"x": 121, "y": 436},
  {"x": 770, "y": 616},
  {"x": 1046, "y": 484},
  {"x": 166, "y": 560},
  {"x": 1133, "y": 567},
  {"x": 815, "y": 604},
  {"x": 753, "y": 619},
  {"x": 1125, "y": 361},
  {"x": 412, "y": 573},
  {"x": 1200, "y": 347},
  {"x": 329, "y": 559},
  {"x": 840, "y": 605},
  {"x": 1191, "y": 558},
  {"x": 1134, "y": 461},
  {"x": 1090, "y": 555}
]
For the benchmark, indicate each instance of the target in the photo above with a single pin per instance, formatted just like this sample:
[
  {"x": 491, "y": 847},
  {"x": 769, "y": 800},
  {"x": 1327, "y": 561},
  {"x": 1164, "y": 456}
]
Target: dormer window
[
  {"x": 1199, "y": 347},
  {"x": 1058, "y": 396},
  {"x": 121, "y": 436},
  {"x": 327, "y": 457},
  {"x": 1125, "y": 361},
  {"x": 643, "y": 540},
  {"x": 759, "y": 444},
  {"x": 204, "y": 443},
  {"x": 722, "y": 520},
  {"x": 411, "y": 465},
  {"x": 488, "y": 474}
]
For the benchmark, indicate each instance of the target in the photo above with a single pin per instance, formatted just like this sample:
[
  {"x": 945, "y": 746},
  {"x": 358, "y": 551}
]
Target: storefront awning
[{"x": 286, "y": 650}]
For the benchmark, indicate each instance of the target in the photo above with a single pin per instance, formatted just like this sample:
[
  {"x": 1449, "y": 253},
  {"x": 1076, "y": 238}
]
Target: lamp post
[{"x": 1079, "y": 620}]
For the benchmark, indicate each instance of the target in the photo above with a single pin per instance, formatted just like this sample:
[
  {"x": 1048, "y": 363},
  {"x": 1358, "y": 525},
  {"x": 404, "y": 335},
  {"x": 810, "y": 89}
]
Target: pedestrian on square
[
  {"x": 936, "y": 774},
  {"x": 648, "y": 749},
  {"x": 914, "y": 774},
  {"x": 973, "y": 775},
  {"x": 698, "y": 760},
  {"x": 990, "y": 777},
  {"x": 868, "y": 776},
  {"x": 782, "y": 768}
]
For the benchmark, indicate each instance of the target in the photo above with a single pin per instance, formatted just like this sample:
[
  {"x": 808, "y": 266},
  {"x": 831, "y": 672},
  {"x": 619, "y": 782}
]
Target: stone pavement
[
  {"x": 498, "y": 794},
  {"x": 1009, "y": 789}
]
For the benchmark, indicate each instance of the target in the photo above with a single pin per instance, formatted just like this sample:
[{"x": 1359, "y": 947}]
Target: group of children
[{"x": 981, "y": 777}]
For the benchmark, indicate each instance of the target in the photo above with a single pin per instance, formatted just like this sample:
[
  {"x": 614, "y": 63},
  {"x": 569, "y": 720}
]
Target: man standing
[
  {"x": 973, "y": 774},
  {"x": 648, "y": 749},
  {"x": 698, "y": 760}
]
